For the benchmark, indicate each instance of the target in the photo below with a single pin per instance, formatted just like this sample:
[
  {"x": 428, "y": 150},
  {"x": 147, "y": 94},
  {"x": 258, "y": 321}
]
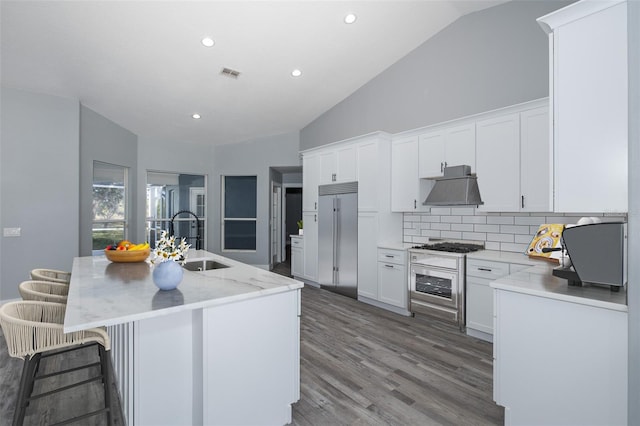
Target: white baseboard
[{"x": 383, "y": 305}]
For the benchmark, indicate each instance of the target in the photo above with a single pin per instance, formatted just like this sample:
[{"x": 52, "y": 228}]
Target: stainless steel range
[{"x": 437, "y": 274}]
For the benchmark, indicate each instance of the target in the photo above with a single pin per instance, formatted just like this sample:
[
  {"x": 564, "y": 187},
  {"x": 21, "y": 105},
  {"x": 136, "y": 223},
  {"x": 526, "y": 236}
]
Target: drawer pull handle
[
  {"x": 388, "y": 266},
  {"x": 484, "y": 269},
  {"x": 389, "y": 255}
]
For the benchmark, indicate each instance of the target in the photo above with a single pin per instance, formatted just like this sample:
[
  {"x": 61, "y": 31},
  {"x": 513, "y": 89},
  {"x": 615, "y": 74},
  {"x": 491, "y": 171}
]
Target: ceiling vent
[{"x": 230, "y": 73}]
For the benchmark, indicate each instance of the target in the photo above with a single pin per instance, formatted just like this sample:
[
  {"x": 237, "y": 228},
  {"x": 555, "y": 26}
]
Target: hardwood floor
[{"x": 360, "y": 365}]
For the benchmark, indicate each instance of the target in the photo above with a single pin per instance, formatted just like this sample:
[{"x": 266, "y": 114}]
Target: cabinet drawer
[
  {"x": 392, "y": 256},
  {"x": 486, "y": 269},
  {"x": 297, "y": 242}
]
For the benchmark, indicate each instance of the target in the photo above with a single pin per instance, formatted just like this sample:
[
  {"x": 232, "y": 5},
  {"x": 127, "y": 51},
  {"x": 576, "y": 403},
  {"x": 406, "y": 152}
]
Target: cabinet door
[
  {"x": 368, "y": 176},
  {"x": 404, "y": 175},
  {"x": 535, "y": 161},
  {"x": 392, "y": 285},
  {"x": 297, "y": 262},
  {"x": 310, "y": 180},
  {"x": 431, "y": 154},
  {"x": 498, "y": 163},
  {"x": 590, "y": 106},
  {"x": 479, "y": 305},
  {"x": 310, "y": 245},
  {"x": 328, "y": 167},
  {"x": 346, "y": 164},
  {"x": 368, "y": 255},
  {"x": 460, "y": 146}
]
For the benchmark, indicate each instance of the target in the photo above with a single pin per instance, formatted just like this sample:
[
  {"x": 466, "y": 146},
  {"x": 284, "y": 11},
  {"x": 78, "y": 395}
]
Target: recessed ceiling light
[
  {"x": 208, "y": 42},
  {"x": 196, "y": 116},
  {"x": 296, "y": 73},
  {"x": 350, "y": 18}
]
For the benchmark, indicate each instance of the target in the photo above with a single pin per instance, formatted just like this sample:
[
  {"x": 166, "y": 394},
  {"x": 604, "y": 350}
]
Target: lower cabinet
[
  {"x": 559, "y": 362},
  {"x": 387, "y": 286},
  {"x": 297, "y": 256},
  {"x": 479, "y": 296},
  {"x": 310, "y": 252}
]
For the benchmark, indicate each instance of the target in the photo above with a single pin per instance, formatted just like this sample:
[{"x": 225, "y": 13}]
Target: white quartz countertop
[
  {"x": 505, "y": 256},
  {"x": 395, "y": 245},
  {"x": 102, "y": 293},
  {"x": 538, "y": 281}
]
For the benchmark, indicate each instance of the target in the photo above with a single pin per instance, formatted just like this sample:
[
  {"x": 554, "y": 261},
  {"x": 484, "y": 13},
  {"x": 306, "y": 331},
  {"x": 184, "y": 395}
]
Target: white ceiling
[{"x": 142, "y": 65}]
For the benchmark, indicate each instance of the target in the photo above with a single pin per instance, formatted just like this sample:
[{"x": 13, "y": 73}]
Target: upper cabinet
[
  {"x": 513, "y": 154},
  {"x": 588, "y": 58},
  {"x": 338, "y": 165},
  {"x": 405, "y": 185},
  {"x": 451, "y": 146},
  {"x": 310, "y": 181}
]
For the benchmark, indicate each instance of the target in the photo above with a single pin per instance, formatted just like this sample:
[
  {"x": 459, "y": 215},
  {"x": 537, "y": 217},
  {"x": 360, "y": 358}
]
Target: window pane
[
  {"x": 105, "y": 233},
  {"x": 239, "y": 235},
  {"x": 240, "y": 197},
  {"x": 108, "y": 191}
]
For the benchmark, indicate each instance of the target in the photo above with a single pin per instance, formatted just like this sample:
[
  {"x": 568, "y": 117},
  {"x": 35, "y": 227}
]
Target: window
[
  {"x": 177, "y": 203},
  {"x": 109, "y": 205},
  {"x": 239, "y": 202}
]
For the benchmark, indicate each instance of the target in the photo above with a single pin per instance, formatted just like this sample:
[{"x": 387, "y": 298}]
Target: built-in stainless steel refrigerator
[{"x": 338, "y": 238}]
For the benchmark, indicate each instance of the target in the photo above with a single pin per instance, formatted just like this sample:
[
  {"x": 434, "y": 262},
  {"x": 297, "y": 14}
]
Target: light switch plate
[{"x": 11, "y": 232}]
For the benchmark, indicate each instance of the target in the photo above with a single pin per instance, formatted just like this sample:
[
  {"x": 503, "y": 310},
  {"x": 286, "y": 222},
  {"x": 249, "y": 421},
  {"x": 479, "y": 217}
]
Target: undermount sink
[{"x": 204, "y": 265}]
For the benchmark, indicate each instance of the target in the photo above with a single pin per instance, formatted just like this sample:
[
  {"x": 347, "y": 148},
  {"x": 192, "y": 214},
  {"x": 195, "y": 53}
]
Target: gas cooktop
[{"x": 451, "y": 247}]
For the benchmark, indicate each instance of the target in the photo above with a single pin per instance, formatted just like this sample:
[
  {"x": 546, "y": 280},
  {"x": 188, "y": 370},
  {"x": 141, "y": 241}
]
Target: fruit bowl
[{"x": 127, "y": 256}]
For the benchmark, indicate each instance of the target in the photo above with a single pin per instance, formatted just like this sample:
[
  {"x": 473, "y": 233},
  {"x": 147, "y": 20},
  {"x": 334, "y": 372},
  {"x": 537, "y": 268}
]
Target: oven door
[{"x": 435, "y": 291}]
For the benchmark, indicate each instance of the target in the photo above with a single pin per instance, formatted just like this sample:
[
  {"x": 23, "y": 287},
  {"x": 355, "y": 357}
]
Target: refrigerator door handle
[{"x": 336, "y": 230}]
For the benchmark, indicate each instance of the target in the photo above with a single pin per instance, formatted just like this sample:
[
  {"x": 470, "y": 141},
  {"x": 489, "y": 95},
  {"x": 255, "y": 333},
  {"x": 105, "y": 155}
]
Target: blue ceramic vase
[{"x": 167, "y": 275}]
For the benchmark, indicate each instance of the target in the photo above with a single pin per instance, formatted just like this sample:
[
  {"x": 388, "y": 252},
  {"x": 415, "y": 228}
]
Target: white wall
[
  {"x": 39, "y": 147},
  {"x": 485, "y": 60},
  {"x": 253, "y": 158}
]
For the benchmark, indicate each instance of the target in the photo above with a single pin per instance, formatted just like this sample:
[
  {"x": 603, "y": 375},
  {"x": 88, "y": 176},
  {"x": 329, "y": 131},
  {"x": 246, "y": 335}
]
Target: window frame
[
  {"x": 224, "y": 219},
  {"x": 125, "y": 200}
]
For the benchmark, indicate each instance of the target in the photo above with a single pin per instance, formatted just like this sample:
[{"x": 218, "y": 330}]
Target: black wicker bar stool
[{"x": 33, "y": 330}]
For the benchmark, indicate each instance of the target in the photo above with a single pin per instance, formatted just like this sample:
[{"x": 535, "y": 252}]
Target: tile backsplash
[{"x": 499, "y": 231}]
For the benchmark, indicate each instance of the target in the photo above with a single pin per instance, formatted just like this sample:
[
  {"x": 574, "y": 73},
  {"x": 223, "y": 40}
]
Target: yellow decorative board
[{"x": 548, "y": 235}]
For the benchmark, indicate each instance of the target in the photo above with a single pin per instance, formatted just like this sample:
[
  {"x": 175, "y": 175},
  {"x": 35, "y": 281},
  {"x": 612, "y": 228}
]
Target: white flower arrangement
[{"x": 167, "y": 250}]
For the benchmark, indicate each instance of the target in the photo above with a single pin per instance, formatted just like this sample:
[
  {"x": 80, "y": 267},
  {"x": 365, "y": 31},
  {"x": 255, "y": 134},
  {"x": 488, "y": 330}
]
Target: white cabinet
[
  {"x": 310, "y": 220},
  {"x": 536, "y": 158},
  {"x": 588, "y": 47},
  {"x": 367, "y": 255},
  {"x": 451, "y": 146},
  {"x": 405, "y": 184},
  {"x": 513, "y": 162},
  {"x": 498, "y": 162},
  {"x": 559, "y": 362},
  {"x": 297, "y": 256},
  {"x": 479, "y": 296},
  {"x": 310, "y": 181},
  {"x": 393, "y": 286},
  {"x": 338, "y": 165},
  {"x": 374, "y": 174}
]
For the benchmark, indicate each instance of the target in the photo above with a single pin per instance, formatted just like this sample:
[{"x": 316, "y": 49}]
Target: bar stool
[
  {"x": 44, "y": 291},
  {"x": 34, "y": 329},
  {"x": 52, "y": 275}
]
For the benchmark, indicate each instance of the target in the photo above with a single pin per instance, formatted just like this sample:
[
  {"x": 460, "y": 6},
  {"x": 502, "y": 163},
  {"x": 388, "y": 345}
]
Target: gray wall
[
  {"x": 103, "y": 140},
  {"x": 253, "y": 158},
  {"x": 164, "y": 155},
  {"x": 483, "y": 61},
  {"x": 633, "y": 295},
  {"x": 39, "y": 147}
]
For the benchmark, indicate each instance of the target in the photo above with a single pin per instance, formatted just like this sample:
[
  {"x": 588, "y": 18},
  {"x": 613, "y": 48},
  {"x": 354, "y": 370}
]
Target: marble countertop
[
  {"x": 507, "y": 257},
  {"x": 538, "y": 281},
  {"x": 395, "y": 245},
  {"x": 102, "y": 293}
]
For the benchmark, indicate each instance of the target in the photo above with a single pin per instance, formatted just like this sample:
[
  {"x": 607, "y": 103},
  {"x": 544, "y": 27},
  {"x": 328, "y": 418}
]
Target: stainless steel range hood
[{"x": 458, "y": 187}]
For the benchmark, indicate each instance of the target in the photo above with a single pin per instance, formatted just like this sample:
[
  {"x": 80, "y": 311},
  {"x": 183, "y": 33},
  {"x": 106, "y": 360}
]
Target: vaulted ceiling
[{"x": 142, "y": 63}]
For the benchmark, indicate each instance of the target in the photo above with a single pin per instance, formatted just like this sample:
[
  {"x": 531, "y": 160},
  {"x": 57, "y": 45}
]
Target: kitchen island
[
  {"x": 560, "y": 352},
  {"x": 223, "y": 348}
]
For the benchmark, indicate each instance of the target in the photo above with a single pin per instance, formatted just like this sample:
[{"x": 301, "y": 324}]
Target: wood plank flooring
[{"x": 360, "y": 365}]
